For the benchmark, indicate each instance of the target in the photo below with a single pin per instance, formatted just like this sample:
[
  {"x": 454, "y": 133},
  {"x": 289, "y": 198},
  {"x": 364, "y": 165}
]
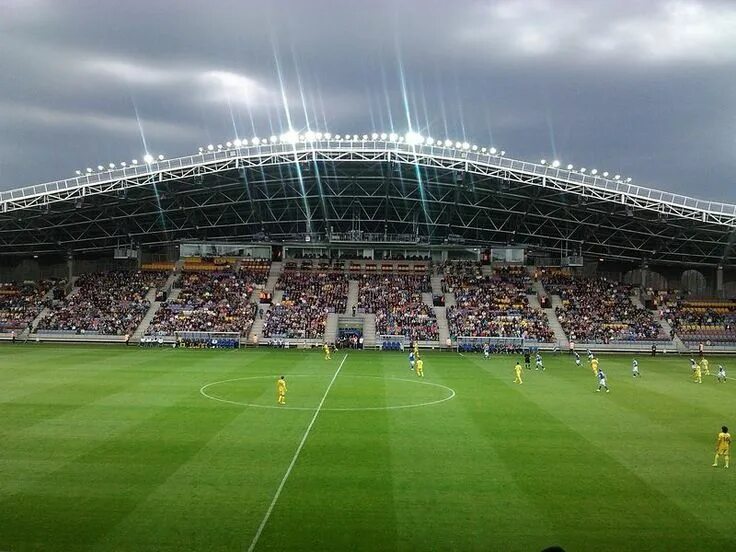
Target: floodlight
[
  {"x": 89, "y": 169},
  {"x": 474, "y": 148},
  {"x": 111, "y": 166},
  {"x": 555, "y": 163},
  {"x": 100, "y": 168},
  {"x": 219, "y": 146},
  {"x": 628, "y": 179},
  {"x": 237, "y": 142},
  {"x": 244, "y": 142},
  {"x": 79, "y": 173},
  {"x": 503, "y": 152},
  {"x": 148, "y": 158},
  {"x": 413, "y": 138},
  {"x": 309, "y": 136},
  {"x": 594, "y": 171},
  {"x": 210, "y": 147},
  {"x": 201, "y": 150},
  {"x": 448, "y": 143},
  {"x": 458, "y": 145},
  {"x": 123, "y": 164},
  {"x": 134, "y": 162},
  {"x": 328, "y": 135},
  {"x": 429, "y": 141},
  {"x": 569, "y": 167},
  {"x": 160, "y": 157},
  {"x": 338, "y": 137},
  {"x": 374, "y": 136},
  {"x": 318, "y": 136},
  {"x": 483, "y": 150},
  {"x": 543, "y": 161},
  {"x": 493, "y": 151},
  {"x": 466, "y": 145},
  {"x": 617, "y": 177},
  {"x": 229, "y": 144},
  {"x": 393, "y": 136},
  {"x": 384, "y": 136},
  {"x": 582, "y": 170},
  {"x": 355, "y": 136},
  {"x": 605, "y": 174},
  {"x": 264, "y": 141},
  {"x": 401, "y": 138},
  {"x": 273, "y": 139}
]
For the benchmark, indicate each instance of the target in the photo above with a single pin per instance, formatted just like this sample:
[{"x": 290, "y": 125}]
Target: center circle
[{"x": 208, "y": 391}]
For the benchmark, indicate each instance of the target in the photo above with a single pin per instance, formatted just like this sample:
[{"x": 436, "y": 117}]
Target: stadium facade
[{"x": 355, "y": 193}]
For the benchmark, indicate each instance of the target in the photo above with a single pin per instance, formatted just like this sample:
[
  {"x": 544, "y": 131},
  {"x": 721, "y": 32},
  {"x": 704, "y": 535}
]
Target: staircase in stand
[
  {"x": 352, "y": 296},
  {"x": 140, "y": 331},
  {"x": 442, "y": 326},
  {"x": 555, "y": 325},
  {"x": 427, "y": 299},
  {"x": 436, "y": 284},
  {"x": 533, "y": 301},
  {"x": 256, "y": 330},
  {"x": 273, "y": 276},
  {"x": 369, "y": 331},
  {"x": 450, "y": 300},
  {"x": 331, "y": 328}
]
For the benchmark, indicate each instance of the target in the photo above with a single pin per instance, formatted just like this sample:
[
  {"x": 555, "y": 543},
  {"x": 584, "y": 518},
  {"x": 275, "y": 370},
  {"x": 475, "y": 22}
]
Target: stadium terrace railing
[{"x": 461, "y": 157}]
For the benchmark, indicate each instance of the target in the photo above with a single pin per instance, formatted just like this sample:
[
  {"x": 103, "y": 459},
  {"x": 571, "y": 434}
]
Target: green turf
[{"x": 114, "y": 448}]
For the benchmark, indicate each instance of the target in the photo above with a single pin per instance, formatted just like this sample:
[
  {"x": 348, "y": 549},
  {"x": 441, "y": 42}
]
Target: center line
[{"x": 293, "y": 461}]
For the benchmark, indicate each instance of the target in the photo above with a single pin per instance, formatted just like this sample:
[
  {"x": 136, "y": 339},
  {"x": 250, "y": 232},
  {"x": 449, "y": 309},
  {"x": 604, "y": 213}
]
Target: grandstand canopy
[{"x": 365, "y": 189}]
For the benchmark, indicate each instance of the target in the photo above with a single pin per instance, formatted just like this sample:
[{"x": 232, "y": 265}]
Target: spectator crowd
[
  {"x": 105, "y": 303},
  {"x": 21, "y": 303},
  {"x": 494, "y": 305},
  {"x": 308, "y": 297},
  {"x": 598, "y": 310},
  {"x": 212, "y": 302},
  {"x": 396, "y": 300}
]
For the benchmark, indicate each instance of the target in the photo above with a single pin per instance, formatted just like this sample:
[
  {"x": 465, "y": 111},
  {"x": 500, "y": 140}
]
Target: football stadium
[{"x": 149, "y": 310}]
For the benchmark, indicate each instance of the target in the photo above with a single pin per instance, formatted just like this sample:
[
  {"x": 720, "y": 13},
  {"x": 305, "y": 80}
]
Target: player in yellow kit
[
  {"x": 594, "y": 365},
  {"x": 697, "y": 374},
  {"x": 420, "y": 367},
  {"x": 281, "y": 390},
  {"x": 326, "y": 349},
  {"x": 704, "y": 366},
  {"x": 723, "y": 446},
  {"x": 517, "y": 371}
]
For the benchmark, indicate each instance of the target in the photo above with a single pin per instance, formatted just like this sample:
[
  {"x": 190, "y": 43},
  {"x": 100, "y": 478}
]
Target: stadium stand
[
  {"x": 212, "y": 301},
  {"x": 598, "y": 310},
  {"x": 711, "y": 321},
  {"x": 106, "y": 303},
  {"x": 308, "y": 297},
  {"x": 396, "y": 300},
  {"x": 493, "y": 305},
  {"x": 21, "y": 303}
]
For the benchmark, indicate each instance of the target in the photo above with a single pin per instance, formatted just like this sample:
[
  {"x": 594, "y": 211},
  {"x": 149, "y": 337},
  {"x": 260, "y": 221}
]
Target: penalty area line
[{"x": 280, "y": 488}]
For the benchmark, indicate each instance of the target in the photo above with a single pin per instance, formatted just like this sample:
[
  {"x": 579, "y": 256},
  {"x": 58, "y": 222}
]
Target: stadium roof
[{"x": 367, "y": 185}]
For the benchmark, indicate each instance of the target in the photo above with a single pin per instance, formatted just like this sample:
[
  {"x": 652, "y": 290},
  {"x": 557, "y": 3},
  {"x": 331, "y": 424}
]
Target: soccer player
[
  {"x": 594, "y": 366},
  {"x": 723, "y": 446},
  {"x": 697, "y": 375},
  {"x": 420, "y": 368},
  {"x": 539, "y": 362},
  {"x": 635, "y": 368},
  {"x": 692, "y": 365},
  {"x": 591, "y": 356},
  {"x": 487, "y": 351},
  {"x": 577, "y": 358},
  {"x": 517, "y": 370},
  {"x": 527, "y": 360},
  {"x": 281, "y": 389},
  {"x": 326, "y": 349},
  {"x": 721, "y": 374},
  {"x": 412, "y": 359},
  {"x": 704, "y": 366},
  {"x": 602, "y": 382}
]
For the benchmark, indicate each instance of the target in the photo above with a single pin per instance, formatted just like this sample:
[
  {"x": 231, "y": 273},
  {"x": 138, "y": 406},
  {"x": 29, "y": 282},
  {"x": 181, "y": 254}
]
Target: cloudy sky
[{"x": 646, "y": 89}]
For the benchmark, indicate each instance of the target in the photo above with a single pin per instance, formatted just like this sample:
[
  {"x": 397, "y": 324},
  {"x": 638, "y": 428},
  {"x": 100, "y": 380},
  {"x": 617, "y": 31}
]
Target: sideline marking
[
  {"x": 204, "y": 388},
  {"x": 293, "y": 460}
]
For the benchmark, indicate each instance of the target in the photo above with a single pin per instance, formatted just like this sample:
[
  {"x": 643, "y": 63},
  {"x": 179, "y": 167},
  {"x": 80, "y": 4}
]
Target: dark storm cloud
[{"x": 639, "y": 88}]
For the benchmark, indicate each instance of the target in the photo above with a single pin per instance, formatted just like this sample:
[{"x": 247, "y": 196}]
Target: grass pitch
[{"x": 113, "y": 448}]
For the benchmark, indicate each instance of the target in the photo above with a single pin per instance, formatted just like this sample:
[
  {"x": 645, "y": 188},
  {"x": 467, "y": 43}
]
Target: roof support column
[{"x": 719, "y": 281}]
